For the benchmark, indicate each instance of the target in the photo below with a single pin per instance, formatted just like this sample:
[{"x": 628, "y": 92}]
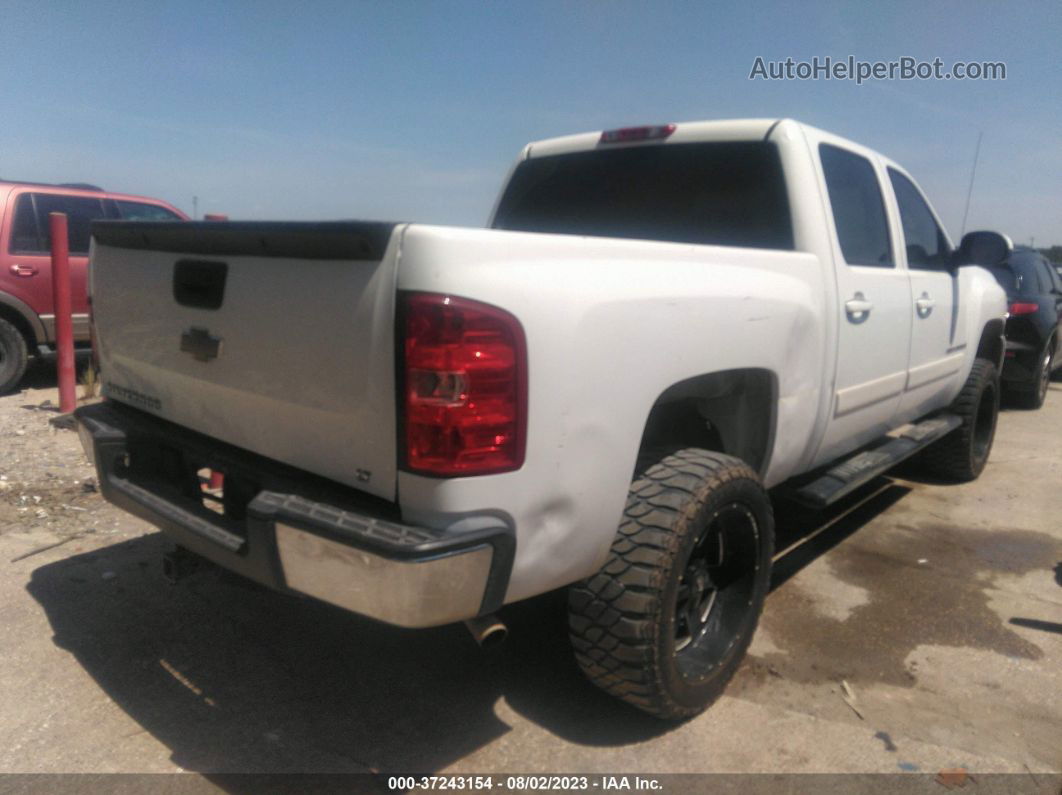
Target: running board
[{"x": 849, "y": 475}]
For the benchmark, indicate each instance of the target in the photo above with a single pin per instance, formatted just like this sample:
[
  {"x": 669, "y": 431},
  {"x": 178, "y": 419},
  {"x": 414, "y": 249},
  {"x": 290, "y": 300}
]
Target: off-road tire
[
  {"x": 624, "y": 620},
  {"x": 13, "y": 357},
  {"x": 962, "y": 454}
]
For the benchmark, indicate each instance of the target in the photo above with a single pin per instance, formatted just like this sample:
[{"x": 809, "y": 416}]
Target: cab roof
[{"x": 681, "y": 132}]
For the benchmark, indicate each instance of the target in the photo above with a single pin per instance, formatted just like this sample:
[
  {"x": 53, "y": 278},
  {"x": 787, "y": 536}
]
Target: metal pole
[{"x": 64, "y": 327}]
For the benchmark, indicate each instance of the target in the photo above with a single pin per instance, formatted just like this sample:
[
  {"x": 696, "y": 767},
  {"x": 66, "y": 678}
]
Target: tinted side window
[
  {"x": 1045, "y": 272},
  {"x": 927, "y": 248},
  {"x": 858, "y": 209},
  {"x": 140, "y": 211},
  {"x": 24, "y": 235},
  {"x": 80, "y": 212},
  {"x": 1056, "y": 278},
  {"x": 1023, "y": 279}
]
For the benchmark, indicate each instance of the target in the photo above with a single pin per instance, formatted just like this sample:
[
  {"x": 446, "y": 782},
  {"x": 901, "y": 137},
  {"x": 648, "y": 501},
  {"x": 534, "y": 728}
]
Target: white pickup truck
[{"x": 422, "y": 424}]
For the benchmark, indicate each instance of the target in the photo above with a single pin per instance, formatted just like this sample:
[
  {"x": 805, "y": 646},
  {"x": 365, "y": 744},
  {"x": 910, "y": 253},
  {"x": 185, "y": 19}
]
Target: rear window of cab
[{"x": 726, "y": 193}]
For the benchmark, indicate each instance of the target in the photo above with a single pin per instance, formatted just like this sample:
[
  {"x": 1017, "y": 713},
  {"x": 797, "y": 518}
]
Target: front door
[
  {"x": 874, "y": 306},
  {"x": 938, "y": 339}
]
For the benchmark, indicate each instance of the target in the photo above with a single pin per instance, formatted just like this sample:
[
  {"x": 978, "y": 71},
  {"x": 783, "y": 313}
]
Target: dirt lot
[{"x": 940, "y": 607}]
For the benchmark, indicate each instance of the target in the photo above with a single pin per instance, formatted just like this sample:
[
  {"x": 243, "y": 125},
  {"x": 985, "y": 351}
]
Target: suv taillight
[{"x": 464, "y": 386}]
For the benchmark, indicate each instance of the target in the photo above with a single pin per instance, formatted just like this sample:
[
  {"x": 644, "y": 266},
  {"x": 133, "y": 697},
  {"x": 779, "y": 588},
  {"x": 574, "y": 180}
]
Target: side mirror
[{"x": 986, "y": 249}]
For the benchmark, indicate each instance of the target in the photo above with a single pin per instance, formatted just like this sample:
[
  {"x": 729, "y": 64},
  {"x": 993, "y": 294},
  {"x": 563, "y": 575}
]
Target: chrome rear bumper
[{"x": 291, "y": 530}]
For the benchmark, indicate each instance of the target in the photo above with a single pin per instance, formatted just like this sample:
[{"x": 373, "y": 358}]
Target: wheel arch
[
  {"x": 19, "y": 315},
  {"x": 991, "y": 346},
  {"x": 730, "y": 411}
]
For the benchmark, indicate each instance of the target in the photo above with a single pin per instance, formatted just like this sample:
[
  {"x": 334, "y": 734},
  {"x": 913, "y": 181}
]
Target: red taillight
[
  {"x": 465, "y": 386},
  {"x": 1022, "y": 308},
  {"x": 626, "y": 134}
]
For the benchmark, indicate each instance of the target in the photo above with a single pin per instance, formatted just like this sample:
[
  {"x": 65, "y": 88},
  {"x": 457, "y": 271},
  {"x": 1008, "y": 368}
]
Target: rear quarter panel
[{"x": 610, "y": 325}]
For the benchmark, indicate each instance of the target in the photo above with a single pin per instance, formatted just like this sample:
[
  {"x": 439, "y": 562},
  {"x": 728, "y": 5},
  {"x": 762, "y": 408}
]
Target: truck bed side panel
[{"x": 610, "y": 325}]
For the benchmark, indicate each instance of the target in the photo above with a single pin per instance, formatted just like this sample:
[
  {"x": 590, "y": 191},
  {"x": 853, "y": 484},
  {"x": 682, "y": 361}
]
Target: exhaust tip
[{"x": 489, "y": 632}]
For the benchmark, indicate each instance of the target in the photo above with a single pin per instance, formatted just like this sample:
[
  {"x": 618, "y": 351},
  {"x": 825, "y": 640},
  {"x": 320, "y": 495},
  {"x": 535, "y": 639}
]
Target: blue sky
[{"x": 415, "y": 110}]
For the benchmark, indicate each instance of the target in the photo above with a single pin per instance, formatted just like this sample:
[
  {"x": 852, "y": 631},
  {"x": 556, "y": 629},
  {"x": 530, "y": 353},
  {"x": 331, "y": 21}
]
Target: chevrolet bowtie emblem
[{"x": 199, "y": 343}]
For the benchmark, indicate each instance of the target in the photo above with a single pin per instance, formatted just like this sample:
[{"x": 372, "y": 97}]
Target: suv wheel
[
  {"x": 1041, "y": 380},
  {"x": 13, "y": 357}
]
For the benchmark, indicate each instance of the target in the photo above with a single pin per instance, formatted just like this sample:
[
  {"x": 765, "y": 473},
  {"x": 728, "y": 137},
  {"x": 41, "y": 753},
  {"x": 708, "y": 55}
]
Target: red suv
[{"x": 27, "y": 317}]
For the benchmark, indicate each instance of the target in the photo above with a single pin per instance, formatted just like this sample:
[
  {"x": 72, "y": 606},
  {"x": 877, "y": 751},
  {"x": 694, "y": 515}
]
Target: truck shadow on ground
[
  {"x": 802, "y": 535},
  {"x": 44, "y": 375},
  {"x": 39, "y": 375},
  {"x": 861, "y": 616},
  {"x": 236, "y": 678}
]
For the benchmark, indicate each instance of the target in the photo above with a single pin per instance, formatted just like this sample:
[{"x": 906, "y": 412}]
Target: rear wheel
[
  {"x": 13, "y": 357},
  {"x": 963, "y": 453},
  {"x": 667, "y": 620},
  {"x": 1036, "y": 394}
]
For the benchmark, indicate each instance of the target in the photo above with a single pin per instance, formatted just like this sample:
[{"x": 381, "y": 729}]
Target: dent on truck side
[{"x": 612, "y": 327}]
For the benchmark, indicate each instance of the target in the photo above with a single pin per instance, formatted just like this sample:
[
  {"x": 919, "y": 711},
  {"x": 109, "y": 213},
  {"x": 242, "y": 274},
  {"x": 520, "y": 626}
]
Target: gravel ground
[
  {"x": 47, "y": 487},
  {"x": 940, "y": 607}
]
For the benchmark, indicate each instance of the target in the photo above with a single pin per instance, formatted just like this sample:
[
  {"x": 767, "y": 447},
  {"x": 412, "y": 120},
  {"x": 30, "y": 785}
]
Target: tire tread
[
  {"x": 614, "y": 616},
  {"x": 16, "y": 357},
  {"x": 951, "y": 456}
]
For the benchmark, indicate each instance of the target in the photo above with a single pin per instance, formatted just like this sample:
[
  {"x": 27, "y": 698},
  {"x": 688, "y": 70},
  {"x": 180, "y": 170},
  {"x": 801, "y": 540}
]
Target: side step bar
[{"x": 849, "y": 475}]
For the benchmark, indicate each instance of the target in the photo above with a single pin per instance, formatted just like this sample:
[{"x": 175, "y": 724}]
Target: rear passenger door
[
  {"x": 29, "y": 249},
  {"x": 937, "y": 338},
  {"x": 874, "y": 304}
]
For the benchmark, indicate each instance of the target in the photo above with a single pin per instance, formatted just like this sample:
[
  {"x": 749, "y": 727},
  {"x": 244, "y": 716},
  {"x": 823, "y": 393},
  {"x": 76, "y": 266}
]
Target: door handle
[
  {"x": 925, "y": 305},
  {"x": 24, "y": 270},
  {"x": 858, "y": 308}
]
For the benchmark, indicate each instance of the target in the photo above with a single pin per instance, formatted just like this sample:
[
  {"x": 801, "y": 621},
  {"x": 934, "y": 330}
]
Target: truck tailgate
[{"x": 275, "y": 337}]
